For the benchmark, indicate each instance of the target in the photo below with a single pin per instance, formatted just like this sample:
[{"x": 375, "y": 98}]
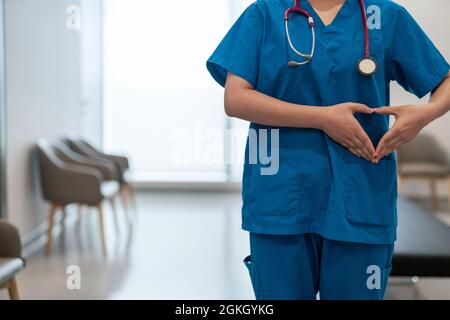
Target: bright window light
[{"x": 161, "y": 105}]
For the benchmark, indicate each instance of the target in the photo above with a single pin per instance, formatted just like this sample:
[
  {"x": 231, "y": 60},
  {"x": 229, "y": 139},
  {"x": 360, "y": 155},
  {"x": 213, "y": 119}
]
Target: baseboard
[{"x": 36, "y": 239}]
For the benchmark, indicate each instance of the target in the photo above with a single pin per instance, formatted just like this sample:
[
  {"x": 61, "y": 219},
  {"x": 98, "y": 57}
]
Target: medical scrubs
[{"x": 321, "y": 189}]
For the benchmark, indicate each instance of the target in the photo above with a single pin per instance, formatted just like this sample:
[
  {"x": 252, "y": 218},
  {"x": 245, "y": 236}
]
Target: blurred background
[{"x": 115, "y": 146}]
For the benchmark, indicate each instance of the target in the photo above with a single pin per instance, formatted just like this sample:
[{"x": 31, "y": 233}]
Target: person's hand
[
  {"x": 409, "y": 121},
  {"x": 340, "y": 124}
]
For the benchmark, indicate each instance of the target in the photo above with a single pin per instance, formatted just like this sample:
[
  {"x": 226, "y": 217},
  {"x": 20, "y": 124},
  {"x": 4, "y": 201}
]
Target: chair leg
[
  {"x": 102, "y": 227},
  {"x": 114, "y": 210},
  {"x": 51, "y": 220},
  {"x": 399, "y": 182},
  {"x": 123, "y": 198},
  {"x": 13, "y": 289},
  {"x": 64, "y": 214},
  {"x": 434, "y": 200},
  {"x": 132, "y": 196},
  {"x": 63, "y": 218}
]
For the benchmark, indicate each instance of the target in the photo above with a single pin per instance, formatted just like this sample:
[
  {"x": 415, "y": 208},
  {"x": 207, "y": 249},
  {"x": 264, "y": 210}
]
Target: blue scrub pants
[{"x": 297, "y": 267}]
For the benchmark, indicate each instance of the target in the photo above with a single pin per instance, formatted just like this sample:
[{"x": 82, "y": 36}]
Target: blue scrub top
[{"x": 320, "y": 186}]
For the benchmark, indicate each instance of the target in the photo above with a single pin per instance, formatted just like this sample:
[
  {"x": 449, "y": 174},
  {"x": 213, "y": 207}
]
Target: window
[{"x": 161, "y": 105}]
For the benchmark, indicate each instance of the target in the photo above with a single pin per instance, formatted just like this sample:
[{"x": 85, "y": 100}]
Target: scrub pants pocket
[
  {"x": 254, "y": 277},
  {"x": 372, "y": 192}
]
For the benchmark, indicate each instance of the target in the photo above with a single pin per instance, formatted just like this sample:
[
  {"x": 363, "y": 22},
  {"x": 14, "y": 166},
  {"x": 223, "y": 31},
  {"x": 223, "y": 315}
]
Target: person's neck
[{"x": 326, "y": 5}]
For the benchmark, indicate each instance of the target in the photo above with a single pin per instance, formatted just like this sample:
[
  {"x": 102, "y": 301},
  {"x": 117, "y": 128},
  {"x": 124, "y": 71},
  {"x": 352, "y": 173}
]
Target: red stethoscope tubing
[
  {"x": 298, "y": 9},
  {"x": 366, "y": 29}
]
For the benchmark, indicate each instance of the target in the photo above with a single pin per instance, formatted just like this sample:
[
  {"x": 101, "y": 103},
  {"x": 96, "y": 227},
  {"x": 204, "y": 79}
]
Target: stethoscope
[{"x": 367, "y": 65}]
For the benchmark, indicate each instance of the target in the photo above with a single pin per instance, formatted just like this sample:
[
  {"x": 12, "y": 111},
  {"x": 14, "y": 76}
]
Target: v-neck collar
[{"x": 343, "y": 12}]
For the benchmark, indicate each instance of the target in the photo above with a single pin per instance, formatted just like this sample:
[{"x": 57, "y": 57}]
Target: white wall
[
  {"x": 42, "y": 98},
  {"x": 91, "y": 55}
]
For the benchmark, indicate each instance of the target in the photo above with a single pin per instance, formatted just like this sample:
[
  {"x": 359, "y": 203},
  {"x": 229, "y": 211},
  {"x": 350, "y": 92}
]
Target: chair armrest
[
  {"x": 71, "y": 183},
  {"x": 11, "y": 246}
]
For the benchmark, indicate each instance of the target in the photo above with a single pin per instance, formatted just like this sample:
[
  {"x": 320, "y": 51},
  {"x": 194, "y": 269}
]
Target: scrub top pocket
[
  {"x": 345, "y": 54},
  {"x": 278, "y": 194},
  {"x": 372, "y": 192}
]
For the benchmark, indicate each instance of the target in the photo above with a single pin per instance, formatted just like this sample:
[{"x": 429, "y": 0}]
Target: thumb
[{"x": 361, "y": 108}]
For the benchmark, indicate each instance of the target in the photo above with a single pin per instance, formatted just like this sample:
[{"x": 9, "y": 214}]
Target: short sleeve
[
  {"x": 239, "y": 51},
  {"x": 417, "y": 65}
]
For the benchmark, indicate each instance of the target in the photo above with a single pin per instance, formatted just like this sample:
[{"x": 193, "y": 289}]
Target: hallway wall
[{"x": 42, "y": 97}]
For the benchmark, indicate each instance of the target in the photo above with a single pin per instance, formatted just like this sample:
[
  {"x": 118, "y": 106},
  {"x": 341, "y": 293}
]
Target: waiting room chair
[
  {"x": 11, "y": 261},
  {"x": 69, "y": 179},
  {"x": 122, "y": 164},
  {"x": 423, "y": 158}
]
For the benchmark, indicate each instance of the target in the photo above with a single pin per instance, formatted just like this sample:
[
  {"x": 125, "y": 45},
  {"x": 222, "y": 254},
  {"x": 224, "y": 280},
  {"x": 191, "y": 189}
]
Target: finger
[
  {"x": 386, "y": 110},
  {"x": 381, "y": 149},
  {"x": 350, "y": 145},
  {"x": 363, "y": 149},
  {"x": 361, "y": 108},
  {"x": 396, "y": 142},
  {"x": 356, "y": 152},
  {"x": 387, "y": 152},
  {"x": 384, "y": 153},
  {"x": 386, "y": 140},
  {"x": 366, "y": 145},
  {"x": 358, "y": 149},
  {"x": 381, "y": 153},
  {"x": 391, "y": 147}
]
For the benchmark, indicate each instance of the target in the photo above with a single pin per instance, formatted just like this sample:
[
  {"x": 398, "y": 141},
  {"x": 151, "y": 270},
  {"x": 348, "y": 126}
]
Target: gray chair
[
  {"x": 121, "y": 162},
  {"x": 11, "y": 261},
  {"x": 423, "y": 158},
  {"x": 67, "y": 179}
]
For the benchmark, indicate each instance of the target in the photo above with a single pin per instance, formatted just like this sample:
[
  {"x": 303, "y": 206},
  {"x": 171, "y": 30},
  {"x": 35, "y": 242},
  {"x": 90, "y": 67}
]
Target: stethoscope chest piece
[{"x": 367, "y": 66}]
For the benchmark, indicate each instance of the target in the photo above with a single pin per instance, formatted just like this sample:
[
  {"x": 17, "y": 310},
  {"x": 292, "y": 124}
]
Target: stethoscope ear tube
[{"x": 307, "y": 57}]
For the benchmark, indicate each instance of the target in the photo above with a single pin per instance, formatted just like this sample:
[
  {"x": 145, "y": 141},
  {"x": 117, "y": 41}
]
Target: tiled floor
[{"x": 183, "y": 245}]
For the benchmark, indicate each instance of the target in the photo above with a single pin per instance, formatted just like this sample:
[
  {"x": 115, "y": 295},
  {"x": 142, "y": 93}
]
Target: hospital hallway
[{"x": 183, "y": 245}]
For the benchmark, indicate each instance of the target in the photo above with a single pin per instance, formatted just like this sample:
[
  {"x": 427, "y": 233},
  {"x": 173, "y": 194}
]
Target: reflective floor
[{"x": 182, "y": 245}]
